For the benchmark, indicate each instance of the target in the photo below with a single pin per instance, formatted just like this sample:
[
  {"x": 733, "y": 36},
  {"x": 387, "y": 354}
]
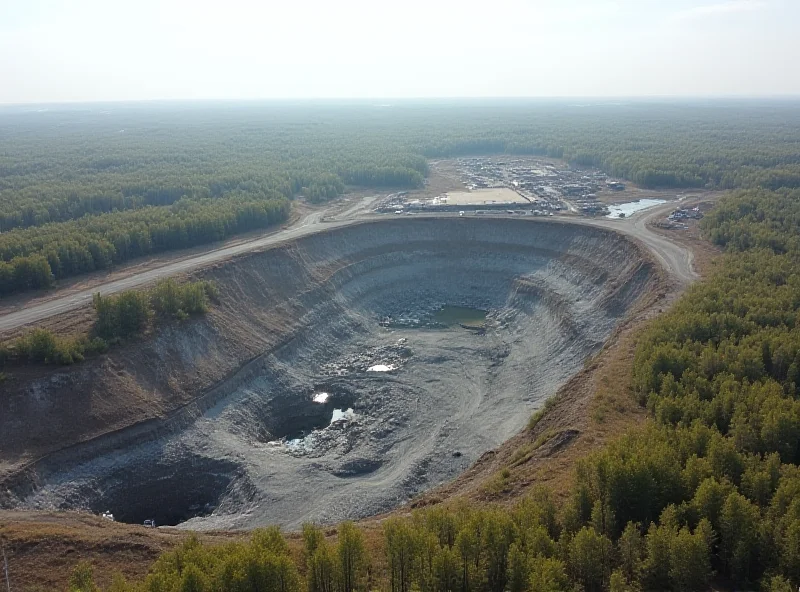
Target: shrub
[{"x": 123, "y": 315}]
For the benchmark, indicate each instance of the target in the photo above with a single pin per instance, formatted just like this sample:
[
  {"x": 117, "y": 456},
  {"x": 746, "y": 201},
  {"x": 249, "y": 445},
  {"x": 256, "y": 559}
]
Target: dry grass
[{"x": 44, "y": 547}]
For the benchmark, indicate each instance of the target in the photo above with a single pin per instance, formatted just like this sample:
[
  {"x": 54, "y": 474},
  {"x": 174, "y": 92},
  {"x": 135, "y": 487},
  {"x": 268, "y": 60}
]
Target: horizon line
[{"x": 606, "y": 98}]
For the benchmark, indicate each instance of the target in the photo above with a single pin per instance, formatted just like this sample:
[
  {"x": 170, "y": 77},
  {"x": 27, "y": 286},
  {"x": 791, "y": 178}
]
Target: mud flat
[{"x": 324, "y": 385}]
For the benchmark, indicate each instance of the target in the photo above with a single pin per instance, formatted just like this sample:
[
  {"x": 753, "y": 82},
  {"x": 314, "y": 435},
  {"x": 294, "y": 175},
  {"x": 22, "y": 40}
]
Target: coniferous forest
[{"x": 87, "y": 187}]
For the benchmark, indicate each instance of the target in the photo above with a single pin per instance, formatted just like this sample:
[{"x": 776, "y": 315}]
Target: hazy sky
[{"x": 97, "y": 50}]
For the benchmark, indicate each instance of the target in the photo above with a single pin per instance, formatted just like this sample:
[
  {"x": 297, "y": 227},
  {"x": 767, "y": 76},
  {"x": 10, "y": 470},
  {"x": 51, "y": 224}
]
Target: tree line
[
  {"x": 457, "y": 548},
  {"x": 35, "y": 258},
  {"x": 720, "y": 375},
  {"x": 80, "y": 191}
]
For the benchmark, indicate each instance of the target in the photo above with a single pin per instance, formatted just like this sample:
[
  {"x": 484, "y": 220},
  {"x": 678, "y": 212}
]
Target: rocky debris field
[
  {"x": 334, "y": 413},
  {"x": 384, "y": 358}
]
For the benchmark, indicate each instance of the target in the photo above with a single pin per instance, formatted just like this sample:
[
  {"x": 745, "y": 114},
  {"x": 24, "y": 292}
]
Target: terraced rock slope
[{"x": 324, "y": 386}]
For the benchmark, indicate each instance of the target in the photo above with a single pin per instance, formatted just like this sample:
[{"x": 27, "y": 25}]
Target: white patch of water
[
  {"x": 340, "y": 415},
  {"x": 321, "y": 397},
  {"x": 632, "y": 207},
  {"x": 382, "y": 368},
  {"x": 309, "y": 442},
  {"x": 302, "y": 444}
]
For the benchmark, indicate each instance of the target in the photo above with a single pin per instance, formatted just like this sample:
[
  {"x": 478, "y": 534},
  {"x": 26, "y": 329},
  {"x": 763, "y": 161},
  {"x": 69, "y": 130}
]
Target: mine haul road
[{"x": 675, "y": 258}]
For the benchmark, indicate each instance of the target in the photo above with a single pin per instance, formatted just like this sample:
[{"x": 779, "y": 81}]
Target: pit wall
[{"x": 163, "y": 382}]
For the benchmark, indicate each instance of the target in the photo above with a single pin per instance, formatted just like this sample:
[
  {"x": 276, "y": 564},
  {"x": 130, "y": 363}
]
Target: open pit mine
[{"x": 339, "y": 375}]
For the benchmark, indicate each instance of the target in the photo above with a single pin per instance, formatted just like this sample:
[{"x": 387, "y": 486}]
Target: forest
[
  {"x": 706, "y": 492},
  {"x": 88, "y": 187}
]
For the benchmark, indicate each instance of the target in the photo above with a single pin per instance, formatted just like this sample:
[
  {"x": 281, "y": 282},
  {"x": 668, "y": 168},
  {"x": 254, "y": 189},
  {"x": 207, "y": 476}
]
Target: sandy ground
[{"x": 482, "y": 196}]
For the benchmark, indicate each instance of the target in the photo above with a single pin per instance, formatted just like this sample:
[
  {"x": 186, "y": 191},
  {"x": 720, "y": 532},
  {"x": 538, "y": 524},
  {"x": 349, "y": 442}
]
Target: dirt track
[{"x": 677, "y": 259}]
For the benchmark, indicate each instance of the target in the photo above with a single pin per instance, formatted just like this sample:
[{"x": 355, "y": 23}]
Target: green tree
[
  {"x": 548, "y": 575},
  {"x": 656, "y": 566},
  {"x": 631, "y": 550},
  {"x": 589, "y": 561},
  {"x": 269, "y": 540},
  {"x": 82, "y": 579},
  {"x": 779, "y": 584},
  {"x": 322, "y": 576},
  {"x": 446, "y": 570},
  {"x": 739, "y": 527},
  {"x": 352, "y": 557},
  {"x": 789, "y": 546},
  {"x": 690, "y": 561},
  {"x": 517, "y": 569},
  {"x": 619, "y": 583},
  {"x": 401, "y": 550},
  {"x": 194, "y": 580},
  {"x": 123, "y": 315},
  {"x": 313, "y": 538},
  {"x": 709, "y": 499},
  {"x": 119, "y": 583},
  {"x": 498, "y": 535},
  {"x": 166, "y": 298}
]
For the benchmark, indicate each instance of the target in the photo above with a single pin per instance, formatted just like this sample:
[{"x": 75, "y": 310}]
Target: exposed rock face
[{"x": 217, "y": 414}]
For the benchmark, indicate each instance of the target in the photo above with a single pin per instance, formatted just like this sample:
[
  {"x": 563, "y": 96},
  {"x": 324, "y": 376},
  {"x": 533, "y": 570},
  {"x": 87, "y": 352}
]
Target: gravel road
[{"x": 676, "y": 258}]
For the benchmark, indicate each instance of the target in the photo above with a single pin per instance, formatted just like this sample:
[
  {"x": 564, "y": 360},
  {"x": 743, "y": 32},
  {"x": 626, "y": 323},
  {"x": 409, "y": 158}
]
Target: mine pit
[
  {"x": 292, "y": 417},
  {"x": 393, "y": 344},
  {"x": 306, "y": 442},
  {"x": 167, "y": 493}
]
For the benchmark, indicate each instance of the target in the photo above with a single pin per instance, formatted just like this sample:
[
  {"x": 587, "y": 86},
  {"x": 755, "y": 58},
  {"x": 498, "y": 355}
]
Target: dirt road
[
  {"x": 33, "y": 314},
  {"x": 676, "y": 258}
]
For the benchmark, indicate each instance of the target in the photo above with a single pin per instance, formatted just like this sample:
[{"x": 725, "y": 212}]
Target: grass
[
  {"x": 499, "y": 483},
  {"x": 548, "y": 435},
  {"x": 614, "y": 401},
  {"x": 522, "y": 455},
  {"x": 540, "y": 413},
  {"x": 525, "y": 452}
]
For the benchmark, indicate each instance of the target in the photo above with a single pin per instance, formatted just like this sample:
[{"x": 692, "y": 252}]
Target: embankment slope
[{"x": 193, "y": 422}]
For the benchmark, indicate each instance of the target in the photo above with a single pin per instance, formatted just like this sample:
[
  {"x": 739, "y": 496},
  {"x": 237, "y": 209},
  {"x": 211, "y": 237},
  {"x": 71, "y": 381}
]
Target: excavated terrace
[{"x": 341, "y": 374}]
